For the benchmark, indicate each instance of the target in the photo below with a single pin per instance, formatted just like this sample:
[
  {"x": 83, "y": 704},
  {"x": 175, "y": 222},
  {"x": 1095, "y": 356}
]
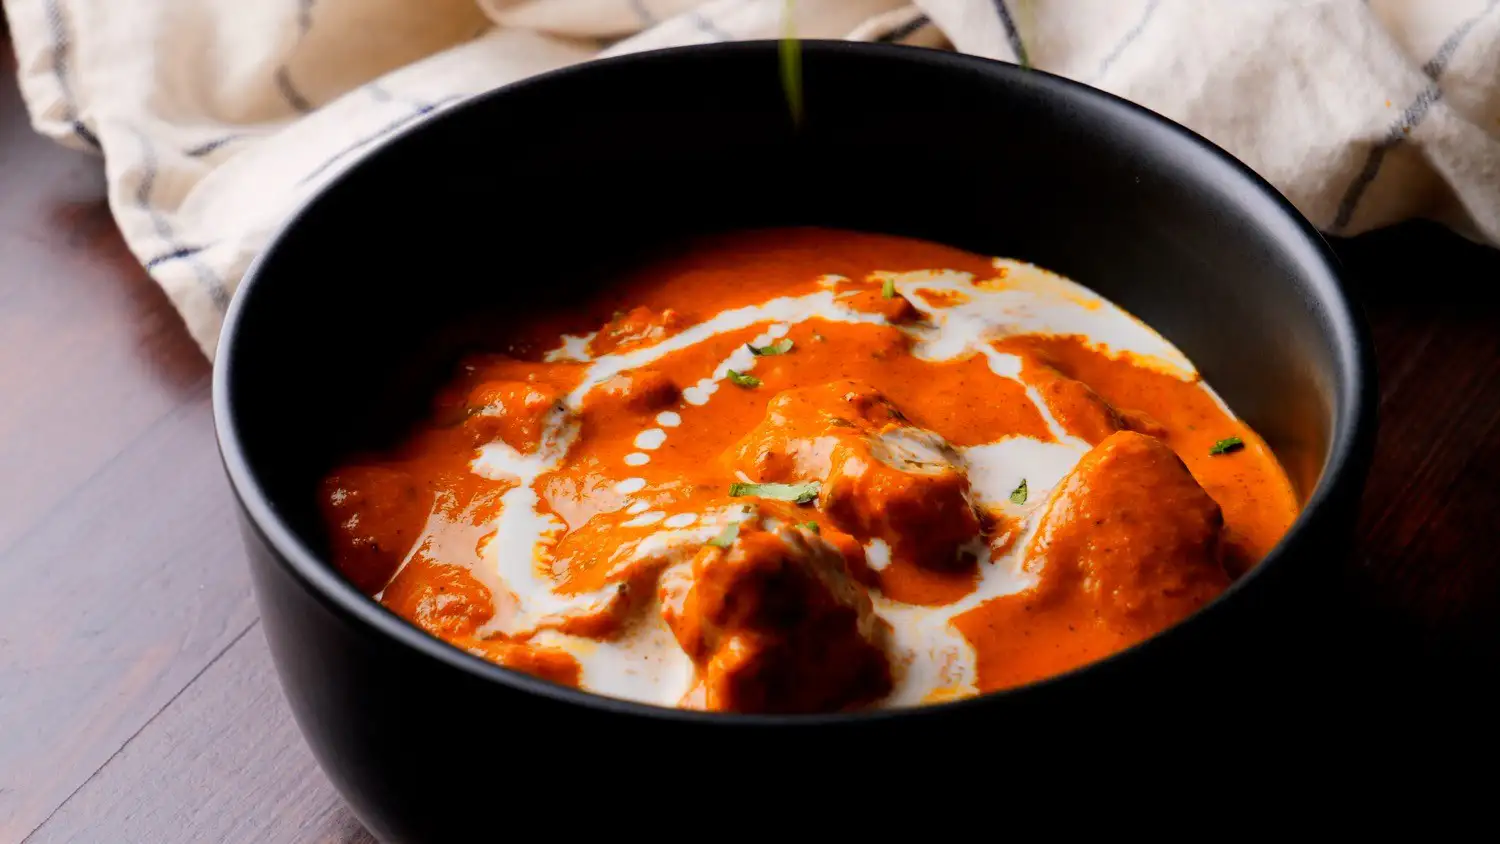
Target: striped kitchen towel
[{"x": 214, "y": 118}]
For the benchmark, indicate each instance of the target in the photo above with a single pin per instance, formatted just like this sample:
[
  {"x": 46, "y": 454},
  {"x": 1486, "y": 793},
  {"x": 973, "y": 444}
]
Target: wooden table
[{"x": 137, "y": 699}]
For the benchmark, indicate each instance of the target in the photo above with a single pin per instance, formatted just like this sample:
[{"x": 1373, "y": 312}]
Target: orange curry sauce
[{"x": 790, "y": 609}]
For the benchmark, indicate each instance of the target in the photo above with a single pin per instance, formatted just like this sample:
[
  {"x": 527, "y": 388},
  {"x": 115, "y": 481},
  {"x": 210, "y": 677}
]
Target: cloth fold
[{"x": 216, "y": 118}]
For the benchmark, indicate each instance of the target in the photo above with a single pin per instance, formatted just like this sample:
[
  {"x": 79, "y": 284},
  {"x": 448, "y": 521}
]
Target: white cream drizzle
[
  {"x": 929, "y": 656},
  {"x": 573, "y": 348},
  {"x": 645, "y": 519},
  {"x": 650, "y": 439}
]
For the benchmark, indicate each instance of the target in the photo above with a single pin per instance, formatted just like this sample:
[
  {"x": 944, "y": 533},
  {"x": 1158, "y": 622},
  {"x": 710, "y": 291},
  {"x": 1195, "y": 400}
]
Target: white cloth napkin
[{"x": 216, "y": 117}]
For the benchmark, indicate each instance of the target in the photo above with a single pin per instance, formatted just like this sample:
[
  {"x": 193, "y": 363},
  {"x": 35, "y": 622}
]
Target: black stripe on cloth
[
  {"x": 1012, "y": 34},
  {"x": 708, "y": 27},
  {"x": 421, "y": 110},
  {"x": 1410, "y": 118},
  {"x": 62, "y": 46},
  {"x": 639, "y": 7},
  {"x": 86, "y": 134},
  {"x": 209, "y": 280},
  {"x": 905, "y": 30},
  {"x": 283, "y": 75},
  {"x": 1439, "y": 62},
  {"x": 1129, "y": 38},
  {"x": 209, "y": 146},
  {"x": 174, "y": 255},
  {"x": 289, "y": 92}
]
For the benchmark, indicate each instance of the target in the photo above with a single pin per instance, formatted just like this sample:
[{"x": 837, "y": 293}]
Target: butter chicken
[{"x": 809, "y": 471}]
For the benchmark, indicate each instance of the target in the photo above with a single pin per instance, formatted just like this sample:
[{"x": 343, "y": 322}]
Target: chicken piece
[
  {"x": 443, "y": 599},
  {"x": 446, "y": 601},
  {"x": 375, "y": 514},
  {"x": 796, "y": 439},
  {"x": 639, "y": 391},
  {"x": 882, "y": 478},
  {"x": 1074, "y": 404},
  {"x": 637, "y": 327},
  {"x": 1135, "y": 532},
  {"x": 546, "y": 663},
  {"x": 1142, "y": 423},
  {"x": 514, "y": 412},
  {"x": 775, "y": 624},
  {"x": 903, "y": 486},
  {"x": 896, "y": 309}
]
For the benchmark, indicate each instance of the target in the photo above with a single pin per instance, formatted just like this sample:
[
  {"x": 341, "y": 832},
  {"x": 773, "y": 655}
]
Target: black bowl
[{"x": 530, "y": 194}]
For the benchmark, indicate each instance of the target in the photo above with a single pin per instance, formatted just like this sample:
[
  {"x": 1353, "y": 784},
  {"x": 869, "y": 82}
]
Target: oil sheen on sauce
[{"x": 812, "y": 470}]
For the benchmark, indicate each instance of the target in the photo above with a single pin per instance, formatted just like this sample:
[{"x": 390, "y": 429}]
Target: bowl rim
[{"x": 1350, "y": 445}]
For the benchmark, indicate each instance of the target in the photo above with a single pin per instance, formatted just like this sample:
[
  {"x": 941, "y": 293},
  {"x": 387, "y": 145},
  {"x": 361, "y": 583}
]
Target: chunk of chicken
[
  {"x": 487, "y": 380},
  {"x": 514, "y": 412},
  {"x": 441, "y": 598},
  {"x": 1135, "y": 532},
  {"x": 377, "y": 514},
  {"x": 446, "y": 601},
  {"x": 775, "y": 623},
  {"x": 1081, "y": 411},
  {"x": 1074, "y": 404},
  {"x": 882, "y": 478},
  {"x": 637, "y": 327},
  {"x": 639, "y": 391},
  {"x": 551, "y": 664},
  {"x": 896, "y": 309}
]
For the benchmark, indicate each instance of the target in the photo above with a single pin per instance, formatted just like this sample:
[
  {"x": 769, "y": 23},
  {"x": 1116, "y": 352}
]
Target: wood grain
[
  {"x": 202, "y": 763},
  {"x": 1426, "y": 568},
  {"x": 137, "y": 701},
  {"x": 121, "y": 573}
]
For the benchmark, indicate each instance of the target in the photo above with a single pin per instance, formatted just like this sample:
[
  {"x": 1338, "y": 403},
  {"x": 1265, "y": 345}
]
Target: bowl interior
[{"x": 529, "y": 196}]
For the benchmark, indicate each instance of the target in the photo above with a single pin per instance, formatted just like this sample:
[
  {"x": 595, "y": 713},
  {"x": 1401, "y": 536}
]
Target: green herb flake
[
  {"x": 888, "y": 288},
  {"x": 727, "y": 538},
  {"x": 1021, "y": 24},
  {"x": 812, "y": 526},
  {"x": 1228, "y": 445},
  {"x": 795, "y": 493},
  {"x": 780, "y": 347},
  {"x": 1018, "y": 495},
  {"x": 790, "y": 52},
  {"x": 743, "y": 380}
]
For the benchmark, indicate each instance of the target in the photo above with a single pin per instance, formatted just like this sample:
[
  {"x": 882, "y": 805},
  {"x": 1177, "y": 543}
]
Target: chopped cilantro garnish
[
  {"x": 795, "y": 493},
  {"x": 1018, "y": 495},
  {"x": 1227, "y": 445},
  {"x": 888, "y": 288},
  {"x": 726, "y": 539},
  {"x": 780, "y": 347},
  {"x": 812, "y": 526},
  {"x": 743, "y": 380}
]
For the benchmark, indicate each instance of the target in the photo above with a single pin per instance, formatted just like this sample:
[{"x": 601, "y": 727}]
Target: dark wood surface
[{"x": 137, "y": 700}]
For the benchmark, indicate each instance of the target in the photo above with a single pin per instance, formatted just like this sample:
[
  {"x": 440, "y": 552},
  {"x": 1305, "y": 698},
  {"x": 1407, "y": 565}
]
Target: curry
[{"x": 809, "y": 471}]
